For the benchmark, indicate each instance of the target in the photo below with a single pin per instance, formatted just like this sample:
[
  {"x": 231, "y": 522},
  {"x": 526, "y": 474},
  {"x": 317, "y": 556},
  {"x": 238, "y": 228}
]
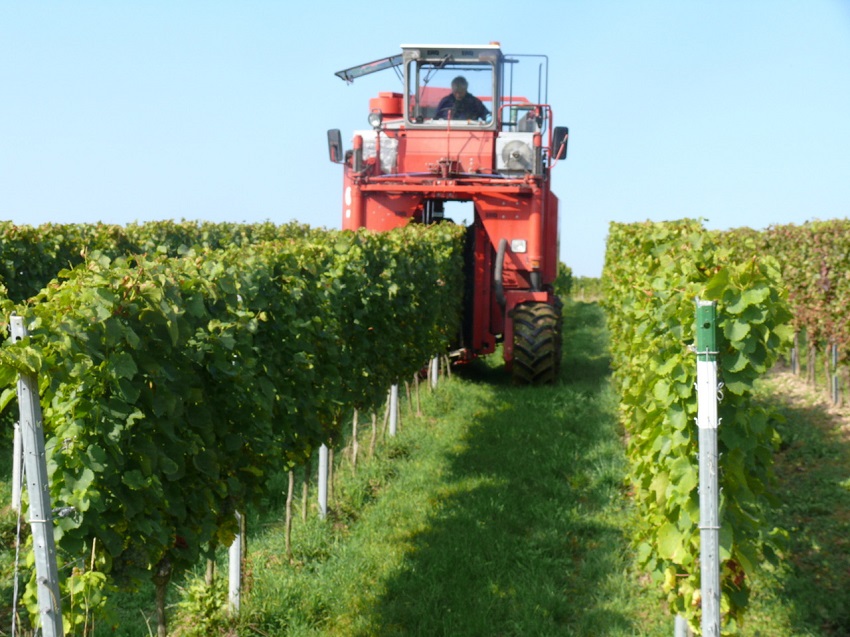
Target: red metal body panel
[
  {"x": 468, "y": 151},
  {"x": 486, "y": 320},
  {"x": 458, "y": 165}
]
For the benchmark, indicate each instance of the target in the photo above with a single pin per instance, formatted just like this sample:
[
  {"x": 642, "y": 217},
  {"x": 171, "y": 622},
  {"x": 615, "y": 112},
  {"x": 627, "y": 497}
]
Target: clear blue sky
[{"x": 737, "y": 112}]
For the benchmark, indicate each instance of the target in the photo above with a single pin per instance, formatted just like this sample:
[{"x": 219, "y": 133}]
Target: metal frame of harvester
[{"x": 409, "y": 165}]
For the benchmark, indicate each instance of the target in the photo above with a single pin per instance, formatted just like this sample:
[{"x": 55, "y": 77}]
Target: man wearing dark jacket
[{"x": 460, "y": 103}]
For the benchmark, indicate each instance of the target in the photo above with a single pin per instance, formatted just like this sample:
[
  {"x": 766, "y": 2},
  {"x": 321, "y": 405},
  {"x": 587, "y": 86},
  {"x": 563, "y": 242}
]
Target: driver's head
[{"x": 459, "y": 86}]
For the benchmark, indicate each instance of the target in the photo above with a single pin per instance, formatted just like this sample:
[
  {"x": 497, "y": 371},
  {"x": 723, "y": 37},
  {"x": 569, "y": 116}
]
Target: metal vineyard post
[
  {"x": 706, "y": 316},
  {"x": 38, "y": 488}
]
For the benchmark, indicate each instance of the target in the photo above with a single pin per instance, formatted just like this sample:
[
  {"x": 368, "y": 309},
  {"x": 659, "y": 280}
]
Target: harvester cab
[{"x": 471, "y": 124}]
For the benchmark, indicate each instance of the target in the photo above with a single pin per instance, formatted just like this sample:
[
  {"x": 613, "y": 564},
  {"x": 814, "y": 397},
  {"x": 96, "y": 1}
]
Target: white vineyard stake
[
  {"x": 393, "y": 409},
  {"x": 234, "y": 573},
  {"x": 323, "y": 481},
  {"x": 435, "y": 371}
]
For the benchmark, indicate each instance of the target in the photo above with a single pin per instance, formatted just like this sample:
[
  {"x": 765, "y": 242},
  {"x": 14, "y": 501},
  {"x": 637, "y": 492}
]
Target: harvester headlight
[
  {"x": 518, "y": 246},
  {"x": 375, "y": 119}
]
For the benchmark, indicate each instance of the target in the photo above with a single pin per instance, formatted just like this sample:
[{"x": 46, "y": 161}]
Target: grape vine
[
  {"x": 172, "y": 386},
  {"x": 653, "y": 274}
]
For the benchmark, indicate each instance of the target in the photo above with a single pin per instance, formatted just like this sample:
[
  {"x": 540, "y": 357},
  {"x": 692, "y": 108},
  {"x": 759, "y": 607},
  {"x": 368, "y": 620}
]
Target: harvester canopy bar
[{"x": 349, "y": 75}]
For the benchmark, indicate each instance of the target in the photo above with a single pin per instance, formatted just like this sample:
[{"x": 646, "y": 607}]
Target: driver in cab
[{"x": 460, "y": 103}]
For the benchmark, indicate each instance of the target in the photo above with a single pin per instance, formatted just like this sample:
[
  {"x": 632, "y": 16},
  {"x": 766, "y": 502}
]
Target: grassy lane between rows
[
  {"x": 809, "y": 595},
  {"x": 501, "y": 511}
]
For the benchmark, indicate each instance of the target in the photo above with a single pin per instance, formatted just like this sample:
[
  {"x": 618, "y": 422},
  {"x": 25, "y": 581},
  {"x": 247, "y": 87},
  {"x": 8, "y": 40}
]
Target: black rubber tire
[{"x": 537, "y": 343}]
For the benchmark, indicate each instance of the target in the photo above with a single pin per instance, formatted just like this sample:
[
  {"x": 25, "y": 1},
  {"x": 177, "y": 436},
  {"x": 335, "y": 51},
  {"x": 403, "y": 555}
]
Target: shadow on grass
[
  {"x": 813, "y": 468},
  {"x": 586, "y": 357},
  {"x": 521, "y": 541}
]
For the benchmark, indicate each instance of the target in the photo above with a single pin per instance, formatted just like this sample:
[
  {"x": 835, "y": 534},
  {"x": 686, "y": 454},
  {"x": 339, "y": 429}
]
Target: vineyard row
[
  {"x": 654, "y": 273},
  {"x": 173, "y": 386}
]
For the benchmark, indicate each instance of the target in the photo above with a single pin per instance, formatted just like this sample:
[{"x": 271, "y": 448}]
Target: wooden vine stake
[
  {"x": 810, "y": 364},
  {"x": 209, "y": 573},
  {"x": 354, "y": 443},
  {"x": 795, "y": 354},
  {"x": 386, "y": 415},
  {"x": 331, "y": 476},
  {"x": 305, "y": 490},
  {"x": 161, "y": 577},
  {"x": 834, "y": 374},
  {"x": 289, "y": 493},
  {"x": 374, "y": 440},
  {"x": 323, "y": 481}
]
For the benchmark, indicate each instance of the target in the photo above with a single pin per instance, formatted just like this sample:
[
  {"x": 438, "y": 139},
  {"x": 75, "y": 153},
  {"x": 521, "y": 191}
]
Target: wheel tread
[{"x": 537, "y": 343}]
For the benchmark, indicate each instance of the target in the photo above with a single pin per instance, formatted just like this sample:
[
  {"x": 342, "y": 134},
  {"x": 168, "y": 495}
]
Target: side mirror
[
  {"x": 335, "y": 145},
  {"x": 560, "y": 136}
]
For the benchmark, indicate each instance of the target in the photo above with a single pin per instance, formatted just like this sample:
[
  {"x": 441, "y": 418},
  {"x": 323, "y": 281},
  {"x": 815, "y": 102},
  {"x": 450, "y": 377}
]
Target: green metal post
[{"x": 706, "y": 331}]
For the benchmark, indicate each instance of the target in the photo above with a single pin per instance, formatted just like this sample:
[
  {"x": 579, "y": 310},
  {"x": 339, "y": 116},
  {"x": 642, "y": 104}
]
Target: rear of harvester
[{"x": 413, "y": 167}]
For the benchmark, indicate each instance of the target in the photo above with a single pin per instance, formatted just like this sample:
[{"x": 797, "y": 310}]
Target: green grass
[{"x": 810, "y": 594}]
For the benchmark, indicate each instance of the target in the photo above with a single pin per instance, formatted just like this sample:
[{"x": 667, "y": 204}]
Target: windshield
[{"x": 443, "y": 90}]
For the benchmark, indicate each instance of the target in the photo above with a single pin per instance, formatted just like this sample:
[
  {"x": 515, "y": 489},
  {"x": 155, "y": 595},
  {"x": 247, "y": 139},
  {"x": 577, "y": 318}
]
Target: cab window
[{"x": 429, "y": 83}]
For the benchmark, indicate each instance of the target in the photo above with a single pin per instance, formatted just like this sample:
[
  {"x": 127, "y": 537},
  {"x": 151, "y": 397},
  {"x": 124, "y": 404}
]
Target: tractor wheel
[{"x": 537, "y": 343}]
